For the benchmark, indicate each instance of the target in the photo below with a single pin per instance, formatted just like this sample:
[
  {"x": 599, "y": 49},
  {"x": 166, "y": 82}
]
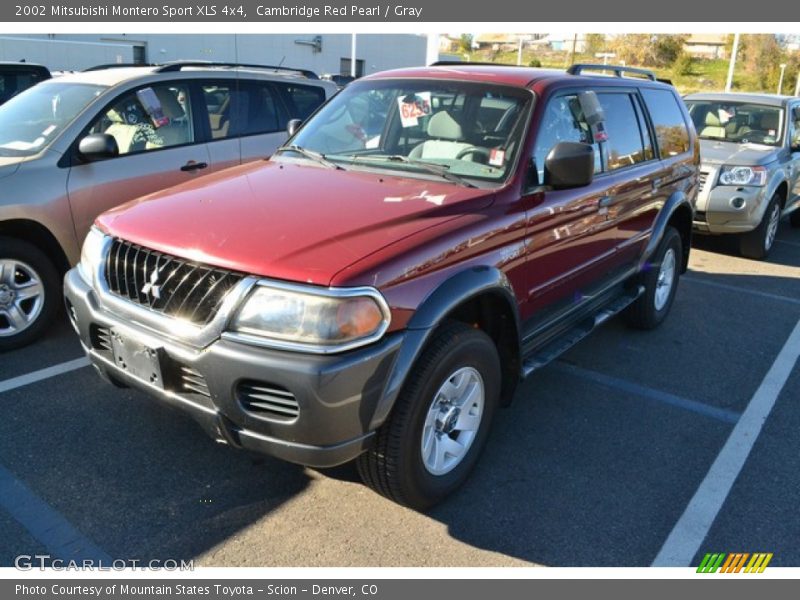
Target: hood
[
  {"x": 716, "y": 152},
  {"x": 9, "y": 165},
  {"x": 288, "y": 221}
]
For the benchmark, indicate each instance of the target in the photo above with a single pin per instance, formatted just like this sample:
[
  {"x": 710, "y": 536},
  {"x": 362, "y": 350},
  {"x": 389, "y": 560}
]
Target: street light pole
[
  {"x": 797, "y": 87},
  {"x": 780, "y": 81},
  {"x": 353, "y": 57},
  {"x": 732, "y": 65}
]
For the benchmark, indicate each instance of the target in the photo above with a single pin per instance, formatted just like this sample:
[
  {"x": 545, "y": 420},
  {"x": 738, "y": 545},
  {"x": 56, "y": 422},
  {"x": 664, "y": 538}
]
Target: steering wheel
[{"x": 483, "y": 152}]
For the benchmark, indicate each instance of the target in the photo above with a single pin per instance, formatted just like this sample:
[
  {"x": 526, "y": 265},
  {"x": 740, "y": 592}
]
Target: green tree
[
  {"x": 595, "y": 42},
  {"x": 465, "y": 43}
]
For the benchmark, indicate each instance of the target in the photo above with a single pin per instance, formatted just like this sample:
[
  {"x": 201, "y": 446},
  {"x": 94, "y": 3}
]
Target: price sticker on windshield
[{"x": 414, "y": 106}]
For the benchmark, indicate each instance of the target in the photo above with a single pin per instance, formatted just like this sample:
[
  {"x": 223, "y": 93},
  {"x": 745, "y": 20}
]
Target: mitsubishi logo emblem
[{"x": 151, "y": 287}]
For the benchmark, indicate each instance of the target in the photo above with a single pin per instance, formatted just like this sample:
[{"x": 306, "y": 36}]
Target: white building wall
[
  {"x": 379, "y": 52},
  {"x": 63, "y": 55}
]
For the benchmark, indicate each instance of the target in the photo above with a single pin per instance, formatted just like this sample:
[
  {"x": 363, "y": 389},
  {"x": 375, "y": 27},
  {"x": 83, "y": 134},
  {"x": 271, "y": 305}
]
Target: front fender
[{"x": 454, "y": 291}]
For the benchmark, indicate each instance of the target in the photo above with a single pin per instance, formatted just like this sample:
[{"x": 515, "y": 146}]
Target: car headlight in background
[
  {"x": 91, "y": 255},
  {"x": 312, "y": 319},
  {"x": 743, "y": 176}
]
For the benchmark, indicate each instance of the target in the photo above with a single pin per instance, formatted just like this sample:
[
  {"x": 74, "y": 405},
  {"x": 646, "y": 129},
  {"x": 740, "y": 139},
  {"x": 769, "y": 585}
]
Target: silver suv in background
[
  {"x": 750, "y": 166},
  {"x": 74, "y": 147}
]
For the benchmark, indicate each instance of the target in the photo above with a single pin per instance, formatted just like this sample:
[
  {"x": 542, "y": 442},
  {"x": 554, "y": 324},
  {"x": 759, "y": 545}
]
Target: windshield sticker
[
  {"x": 414, "y": 106},
  {"x": 497, "y": 157},
  {"x": 152, "y": 106}
]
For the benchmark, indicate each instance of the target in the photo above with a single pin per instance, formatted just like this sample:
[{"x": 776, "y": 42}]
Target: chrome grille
[
  {"x": 268, "y": 399},
  {"x": 167, "y": 284},
  {"x": 703, "y": 180}
]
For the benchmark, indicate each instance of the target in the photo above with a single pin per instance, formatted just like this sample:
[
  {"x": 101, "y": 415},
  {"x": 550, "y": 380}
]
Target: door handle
[
  {"x": 194, "y": 166},
  {"x": 657, "y": 182}
]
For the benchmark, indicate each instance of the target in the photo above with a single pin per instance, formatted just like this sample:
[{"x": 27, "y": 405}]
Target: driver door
[{"x": 156, "y": 134}]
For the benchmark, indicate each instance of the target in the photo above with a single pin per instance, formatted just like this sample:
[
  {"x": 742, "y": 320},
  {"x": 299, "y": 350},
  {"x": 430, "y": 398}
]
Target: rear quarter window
[{"x": 672, "y": 132}]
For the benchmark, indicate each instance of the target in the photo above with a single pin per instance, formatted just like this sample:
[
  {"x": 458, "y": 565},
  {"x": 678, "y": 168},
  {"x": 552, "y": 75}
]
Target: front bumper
[
  {"x": 336, "y": 396},
  {"x": 715, "y": 211}
]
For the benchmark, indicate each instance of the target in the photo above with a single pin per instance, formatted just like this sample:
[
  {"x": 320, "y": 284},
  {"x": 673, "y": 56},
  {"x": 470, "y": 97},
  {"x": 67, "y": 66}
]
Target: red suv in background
[{"x": 377, "y": 288}]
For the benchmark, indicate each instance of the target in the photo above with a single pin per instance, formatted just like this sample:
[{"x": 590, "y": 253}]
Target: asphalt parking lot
[{"x": 593, "y": 465}]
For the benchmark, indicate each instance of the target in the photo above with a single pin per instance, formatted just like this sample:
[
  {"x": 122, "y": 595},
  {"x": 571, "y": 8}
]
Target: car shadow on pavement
[
  {"x": 138, "y": 479},
  {"x": 785, "y": 251}
]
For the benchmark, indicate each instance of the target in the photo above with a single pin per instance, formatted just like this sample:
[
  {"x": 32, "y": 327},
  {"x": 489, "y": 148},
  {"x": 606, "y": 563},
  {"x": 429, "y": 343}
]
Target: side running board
[{"x": 552, "y": 350}]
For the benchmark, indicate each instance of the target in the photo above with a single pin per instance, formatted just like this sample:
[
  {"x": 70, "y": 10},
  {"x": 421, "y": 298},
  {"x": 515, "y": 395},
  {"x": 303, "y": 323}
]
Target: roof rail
[
  {"x": 463, "y": 63},
  {"x": 180, "y": 64},
  {"x": 117, "y": 66},
  {"x": 578, "y": 69}
]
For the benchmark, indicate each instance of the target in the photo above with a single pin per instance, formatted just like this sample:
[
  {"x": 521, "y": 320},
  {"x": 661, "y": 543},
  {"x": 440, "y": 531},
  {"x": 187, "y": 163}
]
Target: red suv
[{"x": 377, "y": 288}]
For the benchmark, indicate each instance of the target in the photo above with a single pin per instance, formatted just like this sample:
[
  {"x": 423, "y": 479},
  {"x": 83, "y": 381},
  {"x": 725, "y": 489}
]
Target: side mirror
[
  {"x": 292, "y": 126},
  {"x": 569, "y": 165},
  {"x": 98, "y": 146}
]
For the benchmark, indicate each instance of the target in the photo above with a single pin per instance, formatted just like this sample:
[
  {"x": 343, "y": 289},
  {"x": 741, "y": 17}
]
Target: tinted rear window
[{"x": 671, "y": 130}]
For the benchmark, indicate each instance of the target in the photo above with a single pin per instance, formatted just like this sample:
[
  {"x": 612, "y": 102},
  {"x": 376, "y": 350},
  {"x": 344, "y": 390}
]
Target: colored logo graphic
[{"x": 735, "y": 562}]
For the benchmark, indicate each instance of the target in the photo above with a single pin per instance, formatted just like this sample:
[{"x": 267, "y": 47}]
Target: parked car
[
  {"x": 378, "y": 296},
  {"x": 73, "y": 147},
  {"x": 750, "y": 173},
  {"x": 16, "y": 77}
]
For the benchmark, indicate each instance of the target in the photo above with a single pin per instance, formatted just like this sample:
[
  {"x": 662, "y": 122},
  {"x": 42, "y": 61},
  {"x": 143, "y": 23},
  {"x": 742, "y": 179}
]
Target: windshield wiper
[
  {"x": 442, "y": 171},
  {"x": 315, "y": 156}
]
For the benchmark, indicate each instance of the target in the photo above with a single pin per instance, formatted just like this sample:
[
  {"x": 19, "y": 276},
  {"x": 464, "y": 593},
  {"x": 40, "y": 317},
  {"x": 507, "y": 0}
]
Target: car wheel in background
[
  {"x": 756, "y": 244},
  {"x": 30, "y": 293}
]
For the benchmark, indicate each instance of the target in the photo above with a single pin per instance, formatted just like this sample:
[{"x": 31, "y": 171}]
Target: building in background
[
  {"x": 324, "y": 54},
  {"x": 706, "y": 45}
]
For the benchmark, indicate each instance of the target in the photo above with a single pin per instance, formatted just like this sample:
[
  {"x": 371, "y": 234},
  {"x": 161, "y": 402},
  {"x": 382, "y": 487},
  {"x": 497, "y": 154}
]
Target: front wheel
[
  {"x": 440, "y": 422},
  {"x": 660, "y": 284},
  {"x": 756, "y": 244},
  {"x": 29, "y": 293}
]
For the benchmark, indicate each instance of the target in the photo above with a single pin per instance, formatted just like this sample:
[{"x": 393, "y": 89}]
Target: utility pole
[
  {"x": 780, "y": 81},
  {"x": 353, "y": 57},
  {"x": 732, "y": 65},
  {"x": 519, "y": 52},
  {"x": 574, "y": 46},
  {"x": 797, "y": 87}
]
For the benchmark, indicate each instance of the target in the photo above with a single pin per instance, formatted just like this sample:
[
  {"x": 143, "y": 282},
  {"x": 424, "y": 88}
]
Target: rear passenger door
[{"x": 631, "y": 174}]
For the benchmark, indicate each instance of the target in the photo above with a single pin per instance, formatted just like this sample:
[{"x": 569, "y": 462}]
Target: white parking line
[
  {"x": 691, "y": 529},
  {"x": 736, "y": 288},
  {"x": 29, "y": 378}
]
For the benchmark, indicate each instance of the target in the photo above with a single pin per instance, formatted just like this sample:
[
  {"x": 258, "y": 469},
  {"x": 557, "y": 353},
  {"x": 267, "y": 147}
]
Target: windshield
[
  {"x": 32, "y": 119},
  {"x": 737, "y": 122},
  {"x": 453, "y": 130}
]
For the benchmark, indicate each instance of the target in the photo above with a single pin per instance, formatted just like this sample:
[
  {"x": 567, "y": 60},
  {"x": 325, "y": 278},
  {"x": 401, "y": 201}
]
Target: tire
[
  {"x": 24, "y": 270},
  {"x": 394, "y": 466},
  {"x": 757, "y": 244},
  {"x": 653, "y": 306}
]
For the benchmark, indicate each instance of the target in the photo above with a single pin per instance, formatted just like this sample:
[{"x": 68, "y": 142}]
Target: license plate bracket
[{"x": 136, "y": 358}]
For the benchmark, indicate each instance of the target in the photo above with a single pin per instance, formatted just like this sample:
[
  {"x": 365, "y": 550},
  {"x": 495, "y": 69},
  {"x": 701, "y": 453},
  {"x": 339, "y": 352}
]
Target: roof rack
[
  {"x": 462, "y": 63},
  {"x": 180, "y": 64},
  {"x": 618, "y": 70},
  {"x": 117, "y": 66}
]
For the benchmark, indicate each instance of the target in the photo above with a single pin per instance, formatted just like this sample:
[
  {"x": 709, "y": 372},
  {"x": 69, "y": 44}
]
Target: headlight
[
  {"x": 743, "y": 176},
  {"x": 312, "y": 319},
  {"x": 91, "y": 255}
]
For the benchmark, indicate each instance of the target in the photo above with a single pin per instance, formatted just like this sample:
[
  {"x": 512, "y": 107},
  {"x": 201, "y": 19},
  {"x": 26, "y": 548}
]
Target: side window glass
[
  {"x": 624, "y": 145},
  {"x": 261, "y": 114},
  {"x": 563, "y": 121},
  {"x": 217, "y": 99},
  {"x": 151, "y": 118},
  {"x": 303, "y": 100},
  {"x": 796, "y": 126},
  {"x": 671, "y": 131}
]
